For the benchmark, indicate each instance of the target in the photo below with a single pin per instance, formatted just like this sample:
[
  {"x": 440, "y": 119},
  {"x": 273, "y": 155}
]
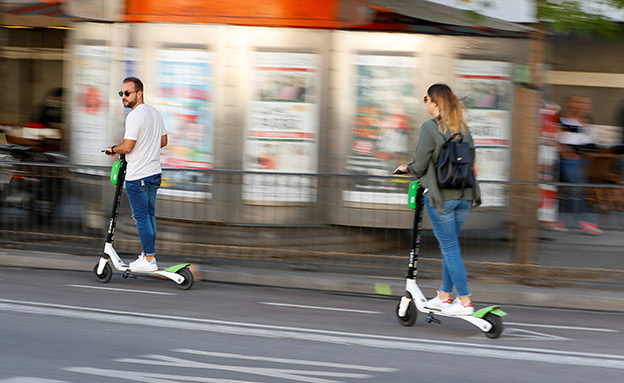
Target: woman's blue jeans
[
  {"x": 575, "y": 201},
  {"x": 447, "y": 224},
  {"x": 142, "y": 197}
]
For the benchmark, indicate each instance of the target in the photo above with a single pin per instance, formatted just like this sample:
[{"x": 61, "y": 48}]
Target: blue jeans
[
  {"x": 446, "y": 225},
  {"x": 142, "y": 197},
  {"x": 575, "y": 201}
]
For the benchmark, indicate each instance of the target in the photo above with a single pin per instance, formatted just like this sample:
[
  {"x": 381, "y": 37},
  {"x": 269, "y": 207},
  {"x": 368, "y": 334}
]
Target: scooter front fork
[
  {"x": 403, "y": 305},
  {"x": 101, "y": 265}
]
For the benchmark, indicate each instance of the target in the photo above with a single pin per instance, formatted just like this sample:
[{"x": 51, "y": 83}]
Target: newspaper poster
[
  {"x": 184, "y": 81},
  {"x": 89, "y": 118},
  {"x": 130, "y": 62},
  {"x": 548, "y": 164},
  {"x": 131, "y": 67},
  {"x": 383, "y": 117},
  {"x": 282, "y": 127},
  {"x": 486, "y": 89}
]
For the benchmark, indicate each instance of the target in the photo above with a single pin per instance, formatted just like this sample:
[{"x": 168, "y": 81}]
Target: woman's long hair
[{"x": 451, "y": 109}]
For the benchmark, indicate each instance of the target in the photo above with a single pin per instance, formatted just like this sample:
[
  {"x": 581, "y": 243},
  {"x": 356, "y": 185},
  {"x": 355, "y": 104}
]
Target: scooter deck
[
  {"x": 171, "y": 269},
  {"x": 177, "y": 273}
]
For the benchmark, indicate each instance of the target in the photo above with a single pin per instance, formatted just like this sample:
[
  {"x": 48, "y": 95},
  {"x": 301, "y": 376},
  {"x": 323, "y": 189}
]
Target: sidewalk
[{"x": 279, "y": 275}]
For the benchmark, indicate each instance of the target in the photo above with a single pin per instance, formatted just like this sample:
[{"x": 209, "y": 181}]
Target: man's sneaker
[
  {"x": 437, "y": 303},
  {"x": 589, "y": 228},
  {"x": 141, "y": 264},
  {"x": 456, "y": 308}
]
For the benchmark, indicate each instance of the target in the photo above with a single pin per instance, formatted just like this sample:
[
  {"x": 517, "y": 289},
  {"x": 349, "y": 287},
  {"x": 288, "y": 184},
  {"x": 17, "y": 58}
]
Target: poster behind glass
[
  {"x": 90, "y": 131},
  {"x": 131, "y": 68},
  {"x": 382, "y": 135},
  {"x": 486, "y": 89},
  {"x": 184, "y": 82},
  {"x": 282, "y": 128}
]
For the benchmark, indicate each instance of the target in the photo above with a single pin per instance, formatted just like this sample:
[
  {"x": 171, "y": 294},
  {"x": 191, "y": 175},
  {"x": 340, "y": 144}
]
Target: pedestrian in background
[
  {"x": 447, "y": 208},
  {"x": 574, "y": 143},
  {"x": 144, "y": 136},
  {"x": 620, "y": 122}
]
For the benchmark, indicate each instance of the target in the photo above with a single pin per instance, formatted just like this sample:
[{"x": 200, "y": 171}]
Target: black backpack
[{"x": 455, "y": 165}]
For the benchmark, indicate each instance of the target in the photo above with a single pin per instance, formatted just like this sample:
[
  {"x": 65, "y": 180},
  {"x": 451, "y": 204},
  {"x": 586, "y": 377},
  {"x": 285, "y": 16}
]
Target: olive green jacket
[{"x": 425, "y": 163}]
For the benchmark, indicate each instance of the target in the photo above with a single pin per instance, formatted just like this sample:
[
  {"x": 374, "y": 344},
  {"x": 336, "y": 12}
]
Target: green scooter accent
[
  {"x": 114, "y": 177},
  {"x": 496, "y": 310},
  {"x": 411, "y": 195},
  {"x": 176, "y": 268}
]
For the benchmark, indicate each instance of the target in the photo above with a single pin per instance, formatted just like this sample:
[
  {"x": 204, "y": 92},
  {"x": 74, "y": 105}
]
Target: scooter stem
[{"x": 110, "y": 235}]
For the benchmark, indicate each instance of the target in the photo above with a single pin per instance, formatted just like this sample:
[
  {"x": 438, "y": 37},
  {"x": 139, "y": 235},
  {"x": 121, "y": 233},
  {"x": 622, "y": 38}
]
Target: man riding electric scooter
[{"x": 144, "y": 136}]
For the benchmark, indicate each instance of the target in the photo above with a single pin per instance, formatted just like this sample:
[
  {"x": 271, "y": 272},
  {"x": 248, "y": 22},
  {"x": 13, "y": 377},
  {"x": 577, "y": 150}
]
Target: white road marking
[
  {"x": 29, "y": 379},
  {"x": 290, "y": 373},
  {"x": 542, "y": 355},
  {"x": 320, "y": 308},
  {"x": 149, "y": 377},
  {"x": 289, "y": 361},
  {"x": 561, "y": 327},
  {"x": 534, "y": 335},
  {"x": 279, "y": 373},
  {"x": 122, "y": 290},
  {"x": 318, "y": 374}
]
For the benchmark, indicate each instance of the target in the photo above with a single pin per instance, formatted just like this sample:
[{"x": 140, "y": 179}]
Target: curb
[{"x": 553, "y": 297}]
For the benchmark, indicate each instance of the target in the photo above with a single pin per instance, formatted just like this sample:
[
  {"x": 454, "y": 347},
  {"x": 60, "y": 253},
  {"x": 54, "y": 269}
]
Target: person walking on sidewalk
[
  {"x": 447, "y": 208},
  {"x": 573, "y": 142},
  {"x": 144, "y": 136}
]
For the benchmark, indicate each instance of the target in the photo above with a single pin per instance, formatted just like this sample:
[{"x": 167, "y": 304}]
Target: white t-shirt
[
  {"x": 145, "y": 125},
  {"x": 582, "y": 135}
]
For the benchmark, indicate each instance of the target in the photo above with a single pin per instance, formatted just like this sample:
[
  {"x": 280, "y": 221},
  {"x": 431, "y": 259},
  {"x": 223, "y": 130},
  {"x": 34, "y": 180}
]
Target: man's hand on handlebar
[{"x": 109, "y": 151}]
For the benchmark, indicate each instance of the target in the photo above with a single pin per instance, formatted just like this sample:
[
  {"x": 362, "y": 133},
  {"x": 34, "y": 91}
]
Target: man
[{"x": 144, "y": 136}]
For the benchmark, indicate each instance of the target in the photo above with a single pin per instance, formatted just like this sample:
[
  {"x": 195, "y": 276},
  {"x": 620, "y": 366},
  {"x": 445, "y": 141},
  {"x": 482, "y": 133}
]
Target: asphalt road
[{"x": 63, "y": 326}]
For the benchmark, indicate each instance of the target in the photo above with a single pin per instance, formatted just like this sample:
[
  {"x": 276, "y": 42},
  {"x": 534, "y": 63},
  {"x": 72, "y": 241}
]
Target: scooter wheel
[
  {"x": 106, "y": 275},
  {"x": 410, "y": 314},
  {"x": 497, "y": 326},
  {"x": 188, "y": 278}
]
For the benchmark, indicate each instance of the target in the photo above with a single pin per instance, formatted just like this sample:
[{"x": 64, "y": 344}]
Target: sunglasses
[
  {"x": 127, "y": 93},
  {"x": 426, "y": 99}
]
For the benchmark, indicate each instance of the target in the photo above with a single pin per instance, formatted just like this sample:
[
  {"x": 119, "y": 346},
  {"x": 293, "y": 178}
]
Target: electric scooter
[
  {"x": 489, "y": 319},
  {"x": 180, "y": 274}
]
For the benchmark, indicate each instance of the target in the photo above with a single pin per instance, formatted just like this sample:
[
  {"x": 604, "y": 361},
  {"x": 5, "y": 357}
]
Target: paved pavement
[{"x": 579, "y": 297}]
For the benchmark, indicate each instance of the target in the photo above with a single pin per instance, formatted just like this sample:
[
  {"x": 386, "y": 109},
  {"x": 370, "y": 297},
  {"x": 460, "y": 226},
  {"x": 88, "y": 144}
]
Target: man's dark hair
[{"x": 138, "y": 84}]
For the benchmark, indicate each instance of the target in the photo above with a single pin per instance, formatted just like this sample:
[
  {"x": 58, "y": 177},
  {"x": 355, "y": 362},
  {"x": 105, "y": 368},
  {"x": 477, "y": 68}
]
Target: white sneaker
[
  {"x": 140, "y": 257},
  {"x": 437, "y": 304},
  {"x": 141, "y": 264},
  {"x": 456, "y": 308}
]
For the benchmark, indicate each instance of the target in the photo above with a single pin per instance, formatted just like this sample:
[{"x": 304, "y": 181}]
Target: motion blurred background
[{"x": 286, "y": 120}]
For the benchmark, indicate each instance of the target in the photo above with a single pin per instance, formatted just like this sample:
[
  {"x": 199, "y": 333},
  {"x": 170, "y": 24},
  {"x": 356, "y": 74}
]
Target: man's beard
[{"x": 130, "y": 104}]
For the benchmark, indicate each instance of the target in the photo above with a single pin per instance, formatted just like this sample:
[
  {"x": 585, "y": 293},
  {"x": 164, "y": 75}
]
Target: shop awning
[
  {"x": 426, "y": 17},
  {"x": 417, "y": 16},
  {"x": 52, "y": 8},
  {"x": 31, "y": 13}
]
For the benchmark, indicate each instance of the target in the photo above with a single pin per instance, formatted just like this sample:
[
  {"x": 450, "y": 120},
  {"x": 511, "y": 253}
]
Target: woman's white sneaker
[
  {"x": 457, "y": 308},
  {"x": 437, "y": 304}
]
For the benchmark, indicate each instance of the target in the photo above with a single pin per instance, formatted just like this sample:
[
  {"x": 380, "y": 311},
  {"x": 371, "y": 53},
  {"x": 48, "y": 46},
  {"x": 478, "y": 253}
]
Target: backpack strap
[{"x": 461, "y": 137}]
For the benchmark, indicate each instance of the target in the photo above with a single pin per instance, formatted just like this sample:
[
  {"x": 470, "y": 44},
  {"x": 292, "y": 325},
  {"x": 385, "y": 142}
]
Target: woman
[
  {"x": 447, "y": 208},
  {"x": 574, "y": 139}
]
